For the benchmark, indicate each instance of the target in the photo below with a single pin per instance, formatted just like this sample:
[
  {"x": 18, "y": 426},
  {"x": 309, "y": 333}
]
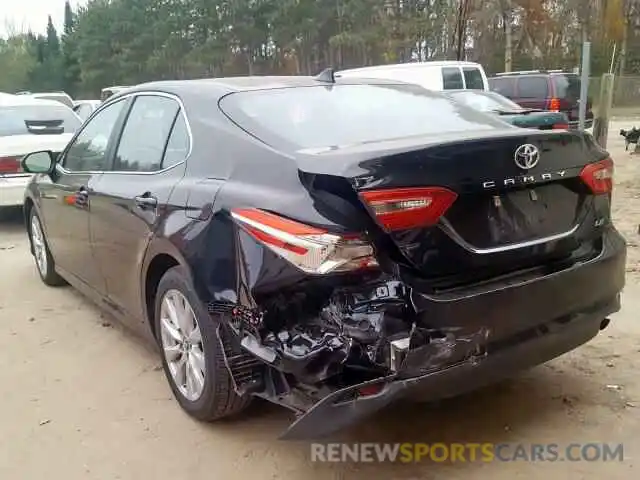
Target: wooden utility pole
[
  {"x": 464, "y": 7},
  {"x": 507, "y": 12}
]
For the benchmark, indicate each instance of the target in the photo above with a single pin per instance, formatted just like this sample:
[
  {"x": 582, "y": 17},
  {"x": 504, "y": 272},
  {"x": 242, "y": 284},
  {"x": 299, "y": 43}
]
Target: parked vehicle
[
  {"x": 109, "y": 91},
  {"x": 28, "y": 125},
  {"x": 511, "y": 112},
  {"x": 446, "y": 75},
  {"x": 328, "y": 249},
  {"x": 84, "y": 108},
  {"x": 61, "y": 97},
  {"x": 552, "y": 90}
]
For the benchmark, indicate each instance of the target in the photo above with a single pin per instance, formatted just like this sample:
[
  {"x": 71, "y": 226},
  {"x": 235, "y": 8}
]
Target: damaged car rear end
[{"x": 384, "y": 242}]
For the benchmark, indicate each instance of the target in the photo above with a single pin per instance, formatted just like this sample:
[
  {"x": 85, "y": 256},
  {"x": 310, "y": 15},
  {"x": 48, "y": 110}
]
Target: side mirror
[{"x": 39, "y": 162}]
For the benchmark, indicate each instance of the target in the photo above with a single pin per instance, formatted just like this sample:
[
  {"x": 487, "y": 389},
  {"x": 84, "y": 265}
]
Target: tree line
[{"x": 123, "y": 42}]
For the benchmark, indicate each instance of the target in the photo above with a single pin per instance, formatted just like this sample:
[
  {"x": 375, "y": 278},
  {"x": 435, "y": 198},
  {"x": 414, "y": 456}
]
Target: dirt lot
[{"x": 83, "y": 399}]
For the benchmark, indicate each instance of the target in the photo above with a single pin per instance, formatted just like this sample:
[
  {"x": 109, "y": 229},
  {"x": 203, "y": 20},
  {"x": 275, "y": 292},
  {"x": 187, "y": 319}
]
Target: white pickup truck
[{"x": 28, "y": 125}]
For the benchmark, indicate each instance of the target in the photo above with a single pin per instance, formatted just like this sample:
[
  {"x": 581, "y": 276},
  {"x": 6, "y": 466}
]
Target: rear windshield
[
  {"x": 37, "y": 119},
  {"x": 340, "y": 115},
  {"x": 567, "y": 86}
]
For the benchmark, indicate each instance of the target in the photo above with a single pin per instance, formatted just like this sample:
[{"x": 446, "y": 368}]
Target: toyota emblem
[{"x": 527, "y": 156}]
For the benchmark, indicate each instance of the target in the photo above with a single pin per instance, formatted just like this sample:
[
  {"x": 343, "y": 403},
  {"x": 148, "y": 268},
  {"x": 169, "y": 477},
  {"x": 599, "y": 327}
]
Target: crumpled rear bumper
[
  {"x": 502, "y": 331},
  {"x": 346, "y": 406}
]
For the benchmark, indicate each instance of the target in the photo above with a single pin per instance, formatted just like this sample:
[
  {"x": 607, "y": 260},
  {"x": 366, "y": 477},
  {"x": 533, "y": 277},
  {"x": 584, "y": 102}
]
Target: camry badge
[{"x": 527, "y": 156}]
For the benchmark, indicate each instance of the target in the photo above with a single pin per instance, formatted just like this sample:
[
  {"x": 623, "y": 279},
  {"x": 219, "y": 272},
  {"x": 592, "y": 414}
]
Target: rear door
[
  {"x": 532, "y": 91},
  {"x": 149, "y": 160}
]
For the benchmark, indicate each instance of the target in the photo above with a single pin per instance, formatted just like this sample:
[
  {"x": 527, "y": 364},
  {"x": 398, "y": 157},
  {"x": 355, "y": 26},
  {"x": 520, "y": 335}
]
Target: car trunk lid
[{"x": 504, "y": 217}]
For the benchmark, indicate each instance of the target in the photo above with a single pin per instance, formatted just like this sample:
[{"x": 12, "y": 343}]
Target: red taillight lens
[
  {"x": 599, "y": 176},
  {"x": 561, "y": 126},
  {"x": 311, "y": 249},
  {"x": 554, "y": 105},
  {"x": 404, "y": 208},
  {"x": 10, "y": 165}
]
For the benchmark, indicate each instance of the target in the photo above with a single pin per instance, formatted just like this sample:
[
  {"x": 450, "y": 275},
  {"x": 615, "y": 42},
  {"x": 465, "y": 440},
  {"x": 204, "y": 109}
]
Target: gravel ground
[{"x": 83, "y": 399}]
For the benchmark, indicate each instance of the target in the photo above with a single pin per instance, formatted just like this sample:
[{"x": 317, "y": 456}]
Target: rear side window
[
  {"x": 503, "y": 86},
  {"x": 452, "y": 78},
  {"x": 178, "y": 144},
  {"x": 322, "y": 117},
  {"x": 473, "y": 78},
  {"x": 533, "y": 87},
  {"x": 37, "y": 120},
  {"x": 566, "y": 86},
  {"x": 145, "y": 134}
]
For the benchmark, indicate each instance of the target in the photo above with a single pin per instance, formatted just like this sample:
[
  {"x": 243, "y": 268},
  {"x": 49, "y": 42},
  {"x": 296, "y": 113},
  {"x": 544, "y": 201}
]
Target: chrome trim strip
[
  {"x": 455, "y": 236},
  {"x": 147, "y": 93}
]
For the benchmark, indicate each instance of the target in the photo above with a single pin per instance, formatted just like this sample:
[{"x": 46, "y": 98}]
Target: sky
[{"x": 24, "y": 15}]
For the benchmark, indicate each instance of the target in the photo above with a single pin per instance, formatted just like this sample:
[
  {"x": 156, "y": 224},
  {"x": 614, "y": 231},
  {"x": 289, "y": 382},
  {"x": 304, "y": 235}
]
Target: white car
[
  {"x": 28, "y": 125},
  {"x": 438, "y": 76},
  {"x": 84, "y": 108}
]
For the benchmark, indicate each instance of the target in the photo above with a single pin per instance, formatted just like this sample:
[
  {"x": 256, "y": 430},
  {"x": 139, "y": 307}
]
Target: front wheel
[
  {"x": 192, "y": 355},
  {"x": 41, "y": 253}
]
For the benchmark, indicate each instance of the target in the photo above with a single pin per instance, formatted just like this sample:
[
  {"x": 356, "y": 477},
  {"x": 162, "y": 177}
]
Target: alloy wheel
[
  {"x": 182, "y": 344},
  {"x": 39, "y": 246}
]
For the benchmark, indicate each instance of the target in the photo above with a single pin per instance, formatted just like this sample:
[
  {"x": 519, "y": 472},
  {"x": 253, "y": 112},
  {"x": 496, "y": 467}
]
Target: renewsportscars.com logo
[{"x": 466, "y": 452}]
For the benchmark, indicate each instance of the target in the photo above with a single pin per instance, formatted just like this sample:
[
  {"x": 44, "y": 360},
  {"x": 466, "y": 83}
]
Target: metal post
[
  {"x": 603, "y": 112},
  {"x": 584, "y": 87}
]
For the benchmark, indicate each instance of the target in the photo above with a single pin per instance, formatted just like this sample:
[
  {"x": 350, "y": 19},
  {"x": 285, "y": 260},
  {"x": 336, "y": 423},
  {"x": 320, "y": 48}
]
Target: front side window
[
  {"x": 88, "y": 152},
  {"x": 503, "y": 86},
  {"x": 145, "y": 134},
  {"x": 473, "y": 78}
]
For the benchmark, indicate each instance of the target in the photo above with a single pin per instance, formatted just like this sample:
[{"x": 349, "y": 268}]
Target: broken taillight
[
  {"x": 404, "y": 208},
  {"x": 599, "y": 176},
  {"x": 10, "y": 165},
  {"x": 311, "y": 249}
]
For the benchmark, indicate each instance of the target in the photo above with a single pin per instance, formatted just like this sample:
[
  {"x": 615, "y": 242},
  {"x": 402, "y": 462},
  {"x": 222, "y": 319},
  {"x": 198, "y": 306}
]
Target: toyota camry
[{"x": 328, "y": 245}]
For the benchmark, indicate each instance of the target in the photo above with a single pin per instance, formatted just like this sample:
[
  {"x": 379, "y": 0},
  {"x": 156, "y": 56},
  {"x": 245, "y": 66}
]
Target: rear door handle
[{"x": 146, "y": 201}]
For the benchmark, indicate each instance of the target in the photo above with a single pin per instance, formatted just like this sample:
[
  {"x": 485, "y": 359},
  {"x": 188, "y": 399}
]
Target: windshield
[
  {"x": 339, "y": 115},
  {"x": 486, "y": 101},
  {"x": 37, "y": 119}
]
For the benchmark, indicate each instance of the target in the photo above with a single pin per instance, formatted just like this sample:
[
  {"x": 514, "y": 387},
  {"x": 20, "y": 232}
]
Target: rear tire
[
  {"x": 210, "y": 394},
  {"x": 42, "y": 254}
]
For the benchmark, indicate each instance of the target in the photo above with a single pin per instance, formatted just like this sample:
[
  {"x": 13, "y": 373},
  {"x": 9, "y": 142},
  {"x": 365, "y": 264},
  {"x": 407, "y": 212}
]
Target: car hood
[{"x": 23, "y": 144}]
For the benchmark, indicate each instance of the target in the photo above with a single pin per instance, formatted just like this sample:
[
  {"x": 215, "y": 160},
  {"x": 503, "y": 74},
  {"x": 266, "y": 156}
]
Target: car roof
[
  {"x": 222, "y": 86},
  {"x": 8, "y": 100},
  {"x": 410, "y": 65}
]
